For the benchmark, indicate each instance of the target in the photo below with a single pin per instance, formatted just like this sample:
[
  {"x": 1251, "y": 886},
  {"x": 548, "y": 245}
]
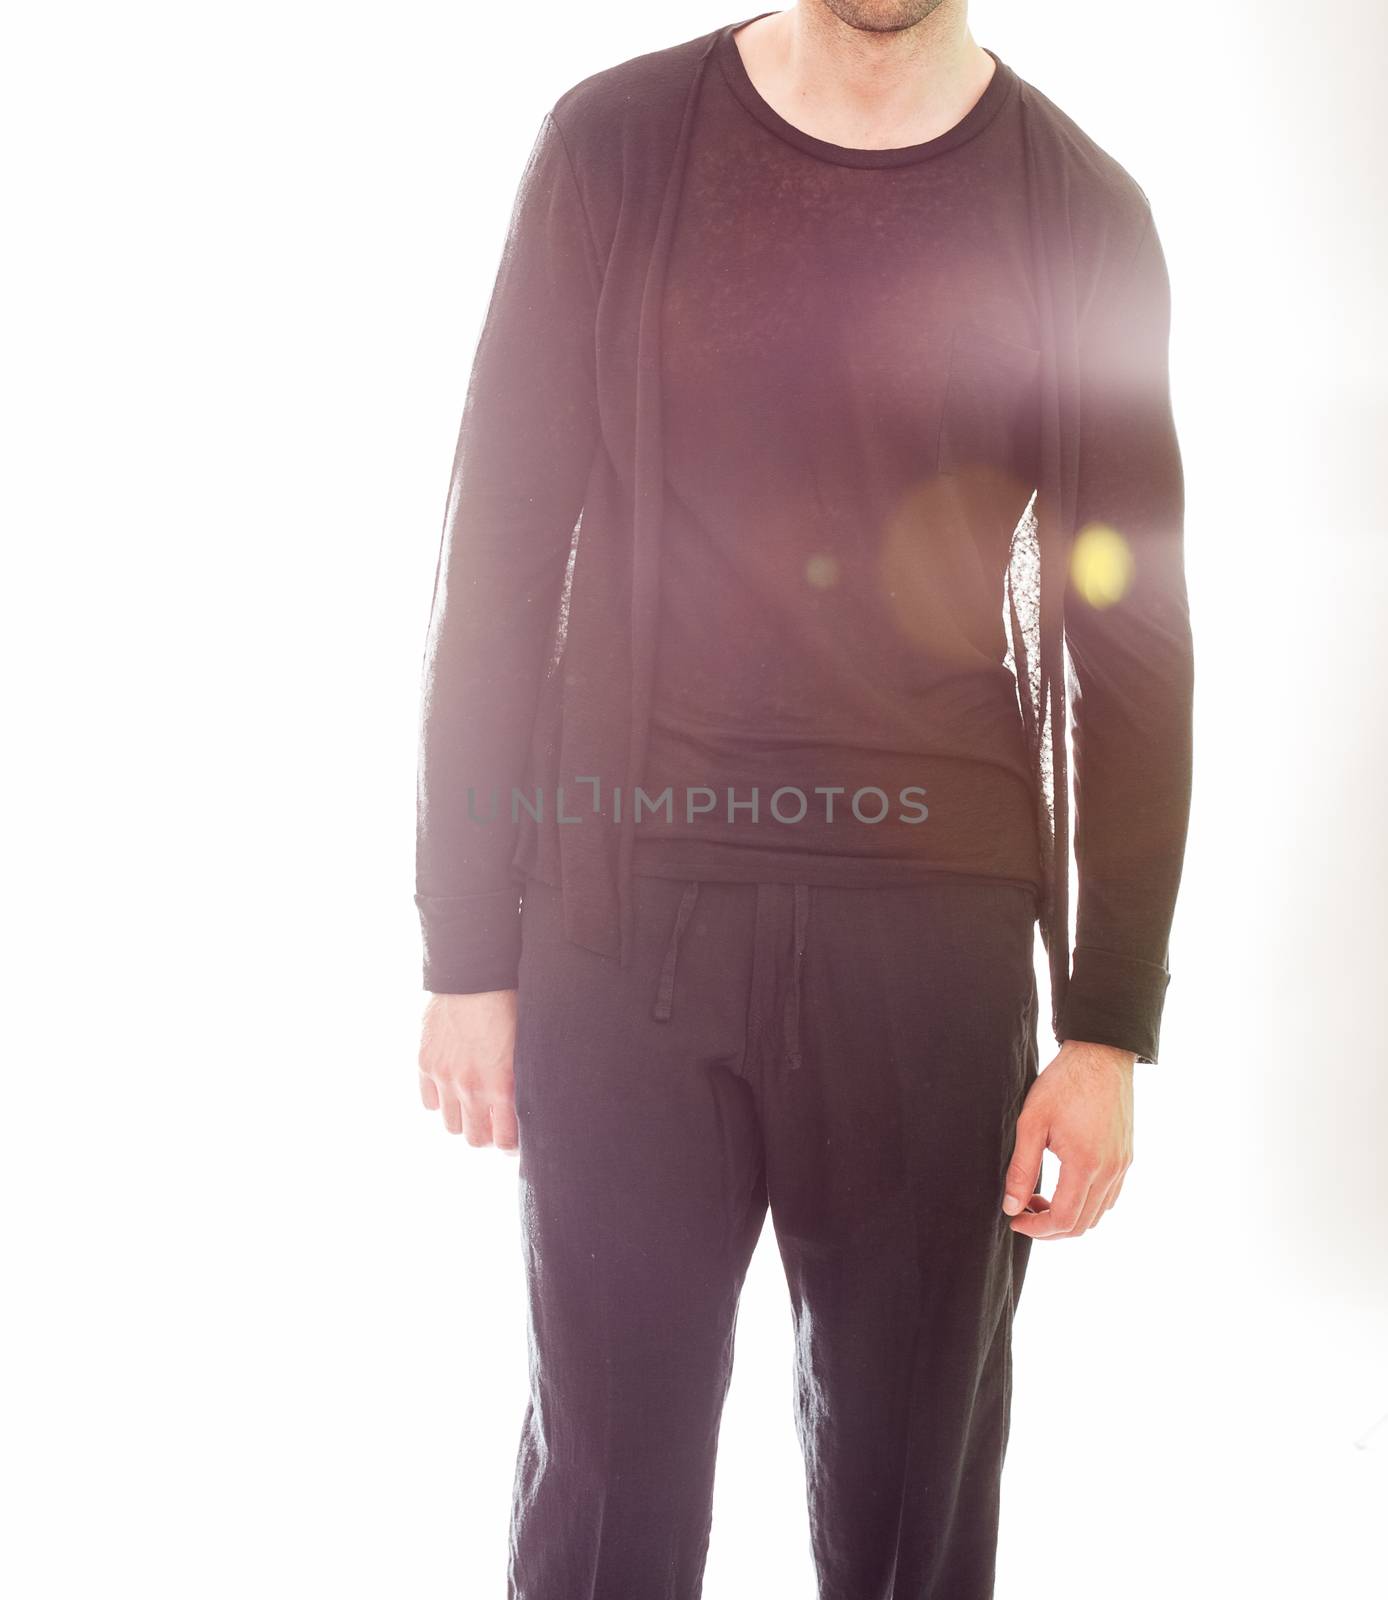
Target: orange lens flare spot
[
  {"x": 1101, "y": 565},
  {"x": 821, "y": 572}
]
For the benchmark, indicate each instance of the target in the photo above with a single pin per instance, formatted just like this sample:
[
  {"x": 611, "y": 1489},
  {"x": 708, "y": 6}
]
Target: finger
[
  {"x": 477, "y": 1120},
  {"x": 1066, "y": 1205},
  {"x": 428, "y": 1092},
  {"x": 1036, "y": 1201},
  {"x": 1094, "y": 1205},
  {"x": 1027, "y": 1150},
  {"x": 1115, "y": 1191},
  {"x": 452, "y": 1111},
  {"x": 1111, "y": 1192},
  {"x": 505, "y": 1133}
]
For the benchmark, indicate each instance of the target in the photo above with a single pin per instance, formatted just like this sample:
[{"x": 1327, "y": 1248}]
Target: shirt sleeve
[
  {"x": 524, "y": 450},
  {"x": 1127, "y": 627}
]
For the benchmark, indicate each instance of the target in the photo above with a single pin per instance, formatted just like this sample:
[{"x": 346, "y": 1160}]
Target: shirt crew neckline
[{"x": 976, "y": 118}]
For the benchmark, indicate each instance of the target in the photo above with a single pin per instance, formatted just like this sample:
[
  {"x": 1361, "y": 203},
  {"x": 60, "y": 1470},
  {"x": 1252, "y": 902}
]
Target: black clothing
[
  {"x": 853, "y": 1060},
  {"x": 541, "y": 670},
  {"x": 831, "y": 577}
]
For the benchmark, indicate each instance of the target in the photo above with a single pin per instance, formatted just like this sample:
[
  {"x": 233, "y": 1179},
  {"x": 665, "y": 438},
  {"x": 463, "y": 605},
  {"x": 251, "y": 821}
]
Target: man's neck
[{"x": 866, "y": 88}]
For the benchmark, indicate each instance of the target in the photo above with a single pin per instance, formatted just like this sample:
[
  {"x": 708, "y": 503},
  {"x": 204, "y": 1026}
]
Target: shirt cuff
[
  {"x": 472, "y": 942},
  {"x": 1115, "y": 1000}
]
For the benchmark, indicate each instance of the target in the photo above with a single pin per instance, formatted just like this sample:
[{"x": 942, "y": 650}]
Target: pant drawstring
[
  {"x": 665, "y": 997},
  {"x": 792, "y": 1014}
]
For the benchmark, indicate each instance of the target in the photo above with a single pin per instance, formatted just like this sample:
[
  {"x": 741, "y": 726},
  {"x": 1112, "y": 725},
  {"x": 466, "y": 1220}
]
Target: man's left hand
[{"x": 1081, "y": 1107}]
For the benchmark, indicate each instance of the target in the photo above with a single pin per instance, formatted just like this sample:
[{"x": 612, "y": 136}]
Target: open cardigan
[{"x": 541, "y": 650}]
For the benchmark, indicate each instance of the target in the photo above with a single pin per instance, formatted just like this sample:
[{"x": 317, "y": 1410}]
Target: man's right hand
[{"x": 465, "y": 1065}]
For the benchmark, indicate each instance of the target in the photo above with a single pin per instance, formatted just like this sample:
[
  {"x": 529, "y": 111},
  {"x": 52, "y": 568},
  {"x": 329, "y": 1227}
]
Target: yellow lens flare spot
[
  {"x": 821, "y": 572},
  {"x": 1101, "y": 565}
]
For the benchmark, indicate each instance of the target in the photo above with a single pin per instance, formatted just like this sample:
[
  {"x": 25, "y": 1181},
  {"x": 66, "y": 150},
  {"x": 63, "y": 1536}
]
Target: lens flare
[{"x": 1101, "y": 565}]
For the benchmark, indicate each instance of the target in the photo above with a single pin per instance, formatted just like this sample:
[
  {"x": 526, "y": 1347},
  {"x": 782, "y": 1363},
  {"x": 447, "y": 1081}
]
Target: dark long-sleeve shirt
[
  {"x": 851, "y": 397},
  {"x": 543, "y": 670}
]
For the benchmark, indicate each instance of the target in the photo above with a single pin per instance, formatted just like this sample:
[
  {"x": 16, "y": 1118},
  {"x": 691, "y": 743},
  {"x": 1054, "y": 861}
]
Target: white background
[{"x": 264, "y": 1324}]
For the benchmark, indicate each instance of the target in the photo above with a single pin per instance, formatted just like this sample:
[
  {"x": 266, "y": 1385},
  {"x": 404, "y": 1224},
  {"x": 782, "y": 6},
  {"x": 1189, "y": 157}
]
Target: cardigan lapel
[
  {"x": 649, "y": 492},
  {"x": 613, "y": 617}
]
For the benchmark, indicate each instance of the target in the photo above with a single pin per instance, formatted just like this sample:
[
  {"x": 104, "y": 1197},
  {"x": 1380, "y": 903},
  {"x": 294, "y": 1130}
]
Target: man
[{"x": 819, "y": 420}]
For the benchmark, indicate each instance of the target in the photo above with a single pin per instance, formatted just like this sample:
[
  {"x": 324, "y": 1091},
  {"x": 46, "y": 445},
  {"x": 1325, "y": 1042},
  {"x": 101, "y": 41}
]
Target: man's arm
[
  {"x": 1127, "y": 627},
  {"x": 525, "y": 446}
]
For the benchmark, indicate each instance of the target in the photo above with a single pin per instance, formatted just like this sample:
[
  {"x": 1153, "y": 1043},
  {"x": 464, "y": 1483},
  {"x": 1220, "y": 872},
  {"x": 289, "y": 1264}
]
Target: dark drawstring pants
[{"x": 854, "y": 1060}]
